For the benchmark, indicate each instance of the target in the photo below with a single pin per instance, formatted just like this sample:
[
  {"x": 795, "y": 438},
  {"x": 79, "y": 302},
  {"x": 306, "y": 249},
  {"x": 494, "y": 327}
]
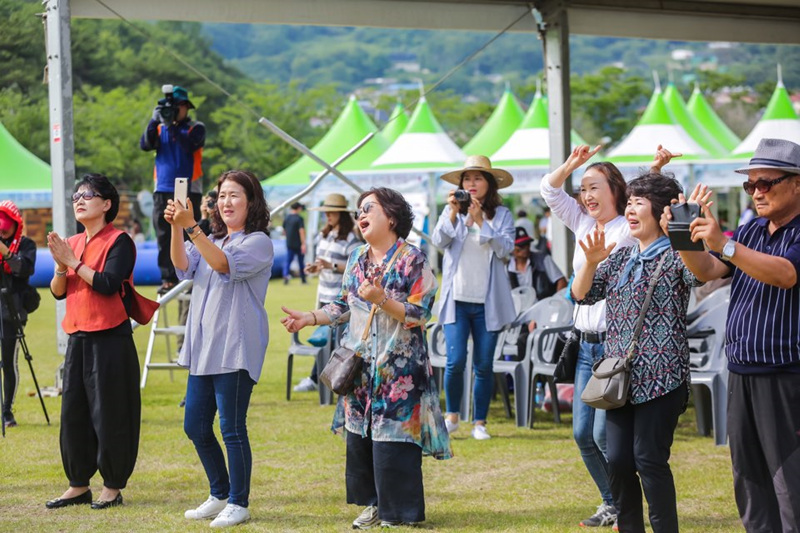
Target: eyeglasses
[
  {"x": 86, "y": 195},
  {"x": 763, "y": 185},
  {"x": 365, "y": 208}
]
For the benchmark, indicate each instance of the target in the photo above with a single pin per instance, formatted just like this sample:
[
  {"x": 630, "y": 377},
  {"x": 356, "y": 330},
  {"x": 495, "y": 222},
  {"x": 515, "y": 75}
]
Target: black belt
[{"x": 592, "y": 337}]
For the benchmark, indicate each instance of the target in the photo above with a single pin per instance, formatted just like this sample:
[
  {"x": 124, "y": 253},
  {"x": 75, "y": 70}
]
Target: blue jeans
[
  {"x": 589, "y": 424},
  {"x": 469, "y": 318},
  {"x": 230, "y": 393},
  {"x": 290, "y": 255}
]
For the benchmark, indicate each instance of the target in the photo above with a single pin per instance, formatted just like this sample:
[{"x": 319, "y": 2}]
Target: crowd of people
[{"x": 630, "y": 287}]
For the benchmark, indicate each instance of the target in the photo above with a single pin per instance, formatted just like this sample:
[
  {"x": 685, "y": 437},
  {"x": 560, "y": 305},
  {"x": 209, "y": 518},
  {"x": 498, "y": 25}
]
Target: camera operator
[
  {"x": 18, "y": 258},
  {"x": 178, "y": 142}
]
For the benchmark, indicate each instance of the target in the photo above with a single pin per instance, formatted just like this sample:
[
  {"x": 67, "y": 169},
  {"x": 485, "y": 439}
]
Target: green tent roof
[
  {"x": 350, "y": 128},
  {"x": 20, "y": 170},
  {"x": 397, "y": 123},
  {"x": 778, "y": 121},
  {"x": 702, "y": 111},
  {"x": 676, "y": 105},
  {"x": 505, "y": 119}
]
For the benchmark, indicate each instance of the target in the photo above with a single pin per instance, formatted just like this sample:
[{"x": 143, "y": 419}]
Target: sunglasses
[
  {"x": 763, "y": 185},
  {"x": 86, "y": 195},
  {"x": 365, "y": 208}
]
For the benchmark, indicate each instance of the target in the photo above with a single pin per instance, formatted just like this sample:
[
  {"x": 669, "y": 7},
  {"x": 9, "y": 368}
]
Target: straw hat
[
  {"x": 333, "y": 202},
  {"x": 482, "y": 163}
]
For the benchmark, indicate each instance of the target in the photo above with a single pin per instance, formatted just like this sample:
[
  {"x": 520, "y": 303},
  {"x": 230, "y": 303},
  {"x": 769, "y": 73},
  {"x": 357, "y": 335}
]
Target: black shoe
[
  {"x": 58, "y": 503},
  {"x": 166, "y": 287},
  {"x": 8, "y": 420},
  {"x": 101, "y": 504}
]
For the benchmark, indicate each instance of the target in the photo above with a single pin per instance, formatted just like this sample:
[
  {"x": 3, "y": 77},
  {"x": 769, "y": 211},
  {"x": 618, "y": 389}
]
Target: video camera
[{"x": 167, "y": 107}]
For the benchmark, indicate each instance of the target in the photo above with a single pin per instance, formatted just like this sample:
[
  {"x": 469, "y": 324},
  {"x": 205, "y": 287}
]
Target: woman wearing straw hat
[
  {"x": 334, "y": 244},
  {"x": 477, "y": 235}
]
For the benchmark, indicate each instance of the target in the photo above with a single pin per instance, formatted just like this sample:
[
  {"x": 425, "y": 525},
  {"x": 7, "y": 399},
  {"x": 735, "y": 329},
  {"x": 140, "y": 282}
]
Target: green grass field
[{"x": 520, "y": 480}]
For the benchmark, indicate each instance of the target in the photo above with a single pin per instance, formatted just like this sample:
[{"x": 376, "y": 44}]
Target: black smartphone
[{"x": 680, "y": 237}]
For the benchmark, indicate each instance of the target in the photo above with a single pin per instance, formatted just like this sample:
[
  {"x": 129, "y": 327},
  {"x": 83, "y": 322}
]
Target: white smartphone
[{"x": 181, "y": 190}]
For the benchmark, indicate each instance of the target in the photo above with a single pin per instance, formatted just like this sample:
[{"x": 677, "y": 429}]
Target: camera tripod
[{"x": 13, "y": 320}]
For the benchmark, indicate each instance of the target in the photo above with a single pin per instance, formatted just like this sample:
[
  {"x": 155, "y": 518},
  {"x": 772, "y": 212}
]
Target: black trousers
[
  {"x": 386, "y": 474},
  {"x": 10, "y": 354},
  {"x": 164, "y": 231},
  {"x": 764, "y": 433},
  {"x": 638, "y": 441},
  {"x": 100, "y": 409}
]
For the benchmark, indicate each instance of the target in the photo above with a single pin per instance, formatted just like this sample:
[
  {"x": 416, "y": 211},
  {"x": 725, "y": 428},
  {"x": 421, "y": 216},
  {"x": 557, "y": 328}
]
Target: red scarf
[{"x": 9, "y": 209}]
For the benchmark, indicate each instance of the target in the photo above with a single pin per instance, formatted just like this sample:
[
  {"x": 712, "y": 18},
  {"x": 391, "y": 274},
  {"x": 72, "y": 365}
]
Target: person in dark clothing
[
  {"x": 295, "y": 230},
  {"x": 18, "y": 256},
  {"x": 101, "y": 405},
  {"x": 178, "y": 142}
]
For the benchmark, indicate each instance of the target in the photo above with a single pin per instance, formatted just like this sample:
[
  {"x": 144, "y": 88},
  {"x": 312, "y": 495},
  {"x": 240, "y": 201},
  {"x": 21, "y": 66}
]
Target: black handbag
[
  {"x": 30, "y": 299},
  {"x": 568, "y": 360},
  {"x": 345, "y": 364}
]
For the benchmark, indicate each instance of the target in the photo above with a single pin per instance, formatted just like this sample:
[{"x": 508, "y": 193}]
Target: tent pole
[
  {"x": 433, "y": 252},
  {"x": 62, "y": 142}
]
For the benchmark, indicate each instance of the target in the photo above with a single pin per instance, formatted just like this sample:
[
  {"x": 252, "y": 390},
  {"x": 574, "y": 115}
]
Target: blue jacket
[
  {"x": 179, "y": 153},
  {"x": 499, "y": 234}
]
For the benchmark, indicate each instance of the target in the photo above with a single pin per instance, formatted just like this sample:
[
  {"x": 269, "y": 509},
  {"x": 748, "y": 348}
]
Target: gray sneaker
[
  {"x": 367, "y": 519},
  {"x": 392, "y": 524},
  {"x": 606, "y": 515}
]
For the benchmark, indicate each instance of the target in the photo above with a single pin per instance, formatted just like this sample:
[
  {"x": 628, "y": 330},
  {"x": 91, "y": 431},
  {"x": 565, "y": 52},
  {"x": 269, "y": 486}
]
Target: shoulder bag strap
[
  {"x": 640, "y": 321},
  {"x": 374, "y": 306}
]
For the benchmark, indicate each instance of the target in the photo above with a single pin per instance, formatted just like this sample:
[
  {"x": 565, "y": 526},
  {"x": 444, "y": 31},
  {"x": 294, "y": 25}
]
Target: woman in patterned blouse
[
  {"x": 639, "y": 435},
  {"x": 392, "y": 417}
]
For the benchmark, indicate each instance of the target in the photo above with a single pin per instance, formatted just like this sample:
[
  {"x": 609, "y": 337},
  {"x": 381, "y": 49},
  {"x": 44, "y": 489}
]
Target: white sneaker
[
  {"x": 208, "y": 509},
  {"x": 306, "y": 385},
  {"x": 367, "y": 519},
  {"x": 231, "y": 515},
  {"x": 479, "y": 433},
  {"x": 452, "y": 427}
]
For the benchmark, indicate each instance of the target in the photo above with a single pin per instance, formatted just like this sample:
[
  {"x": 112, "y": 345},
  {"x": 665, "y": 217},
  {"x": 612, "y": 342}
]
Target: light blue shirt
[
  {"x": 498, "y": 233},
  {"x": 227, "y": 328}
]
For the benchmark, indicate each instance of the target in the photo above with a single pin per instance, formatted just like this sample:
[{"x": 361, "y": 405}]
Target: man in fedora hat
[{"x": 762, "y": 339}]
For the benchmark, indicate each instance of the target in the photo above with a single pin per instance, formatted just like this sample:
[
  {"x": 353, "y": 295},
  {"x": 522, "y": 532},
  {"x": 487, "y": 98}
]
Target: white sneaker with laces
[
  {"x": 479, "y": 433},
  {"x": 231, "y": 515},
  {"x": 367, "y": 519},
  {"x": 306, "y": 385},
  {"x": 606, "y": 515},
  {"x": 452, "y": 427},
  {"x": 208, "y": 509}
]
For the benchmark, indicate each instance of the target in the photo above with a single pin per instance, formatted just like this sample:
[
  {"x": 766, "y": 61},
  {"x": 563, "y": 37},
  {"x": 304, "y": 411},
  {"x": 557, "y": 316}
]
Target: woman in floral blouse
[
  {"x": 639, "y": 435},
  {"x": 392, "y": 417}
]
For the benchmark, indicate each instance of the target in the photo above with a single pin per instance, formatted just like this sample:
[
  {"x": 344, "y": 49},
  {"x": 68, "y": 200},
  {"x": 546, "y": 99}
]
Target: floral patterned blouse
[
  {"x": 661, "y": 363},
  {"x": 395, "y": 398}
]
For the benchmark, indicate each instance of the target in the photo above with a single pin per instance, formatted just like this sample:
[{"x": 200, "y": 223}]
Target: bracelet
[
  {"x": 315, "y": 318},
  {"x": 190, "y": 231},
  {"x": 385, "y": 299},
  {"x": 193, "y": 236},
  {"x": 61, "y": 273},
  {"x": 78, "y": 267}
]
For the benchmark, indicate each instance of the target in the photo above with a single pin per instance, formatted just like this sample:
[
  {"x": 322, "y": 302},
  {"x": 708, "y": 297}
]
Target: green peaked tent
[
  {"x": 657, "y": 126},
  {"x": 423, "y": 144},
  {"x": 702, "y": 111},
  {"x": 24, "y": 178},
  {"x": 500, "y": 126},
  {"x": 350, "y": 128},
  {"x": 676, "y": 106},
  {"x": 779, "y": 121},
  {"x": 397, "y": 123}
]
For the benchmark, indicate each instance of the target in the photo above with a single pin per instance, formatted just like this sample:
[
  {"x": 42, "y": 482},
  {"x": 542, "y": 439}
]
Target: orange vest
[{"x": 87, "y": 309}]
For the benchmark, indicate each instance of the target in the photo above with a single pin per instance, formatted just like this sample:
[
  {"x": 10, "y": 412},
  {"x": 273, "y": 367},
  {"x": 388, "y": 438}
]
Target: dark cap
[
  {"x": 522, "y": 238},
  {"x": 297, "y": 205}
]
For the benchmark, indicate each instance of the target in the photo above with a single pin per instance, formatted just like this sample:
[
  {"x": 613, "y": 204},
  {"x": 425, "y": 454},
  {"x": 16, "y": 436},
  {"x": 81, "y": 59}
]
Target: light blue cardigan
[{"x": 499, "y": 234}]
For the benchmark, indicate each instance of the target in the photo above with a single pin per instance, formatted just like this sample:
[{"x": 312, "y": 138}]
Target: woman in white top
[
  {"x": 602, "y": 205},
  {"x": 477, "y": 235}
]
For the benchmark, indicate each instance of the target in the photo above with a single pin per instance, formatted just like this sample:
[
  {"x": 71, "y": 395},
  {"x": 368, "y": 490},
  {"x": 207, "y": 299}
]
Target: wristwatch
[
  {"x": 728, "y": 250},
  {"x": 191, "y": 231}
]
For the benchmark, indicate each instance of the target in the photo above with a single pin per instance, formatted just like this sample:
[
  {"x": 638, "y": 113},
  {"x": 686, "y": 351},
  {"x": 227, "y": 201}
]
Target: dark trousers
[
  {"x": 638, "y": 440},
  {"x": 764, "y": 433},
  {"x": 386, "y": 474},
  {"x": 10, "y": 353},
  {"x": 164, "y": 231},
  {"x": 100, "y": 409},
  {"x": 287, "y": 266}
]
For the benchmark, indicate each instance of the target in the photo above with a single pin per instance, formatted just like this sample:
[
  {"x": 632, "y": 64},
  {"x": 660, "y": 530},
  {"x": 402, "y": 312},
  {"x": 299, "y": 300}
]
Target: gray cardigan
[{"x": 499, "y": 234}]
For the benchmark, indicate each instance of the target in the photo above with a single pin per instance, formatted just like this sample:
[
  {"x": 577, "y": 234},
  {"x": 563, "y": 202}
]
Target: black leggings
[{"x": 10, "y": 369}]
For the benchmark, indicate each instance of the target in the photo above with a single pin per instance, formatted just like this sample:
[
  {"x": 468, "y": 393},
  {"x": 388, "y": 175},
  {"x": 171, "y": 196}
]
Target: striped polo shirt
[
  {"x": 337, "y": 251},
  {"x": 763, "y": 327}
]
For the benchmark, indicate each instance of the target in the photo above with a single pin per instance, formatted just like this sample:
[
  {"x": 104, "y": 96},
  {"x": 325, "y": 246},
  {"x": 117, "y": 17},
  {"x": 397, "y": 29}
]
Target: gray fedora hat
[{"x": 778, "y": 154}]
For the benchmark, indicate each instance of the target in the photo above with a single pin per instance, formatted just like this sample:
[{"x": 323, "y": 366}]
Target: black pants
[
  {"x": 764, "y": 432},
  {"x": 386, "y": 474},
  {"x": 10, "y": 354},
  {"x": 100, "y": 409},
  {"x": 638, "y": 441},
  {"x": 164, "y": 231}
]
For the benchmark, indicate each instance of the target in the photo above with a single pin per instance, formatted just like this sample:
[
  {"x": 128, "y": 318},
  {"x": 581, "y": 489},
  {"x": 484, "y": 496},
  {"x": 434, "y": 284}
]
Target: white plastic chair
[
  {"x": 710, "y": 376},
  {"x": 437, "y": 352}
]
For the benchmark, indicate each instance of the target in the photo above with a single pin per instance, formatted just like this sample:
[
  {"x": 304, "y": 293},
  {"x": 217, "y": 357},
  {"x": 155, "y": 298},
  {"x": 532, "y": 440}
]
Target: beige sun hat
[
  {"x": 333, "y": 202},
  {"x": 482, "y": 163}
]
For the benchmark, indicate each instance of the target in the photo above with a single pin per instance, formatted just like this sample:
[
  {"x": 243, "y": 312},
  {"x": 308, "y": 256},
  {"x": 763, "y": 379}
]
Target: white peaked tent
[{"x": 779, "y": 122}]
